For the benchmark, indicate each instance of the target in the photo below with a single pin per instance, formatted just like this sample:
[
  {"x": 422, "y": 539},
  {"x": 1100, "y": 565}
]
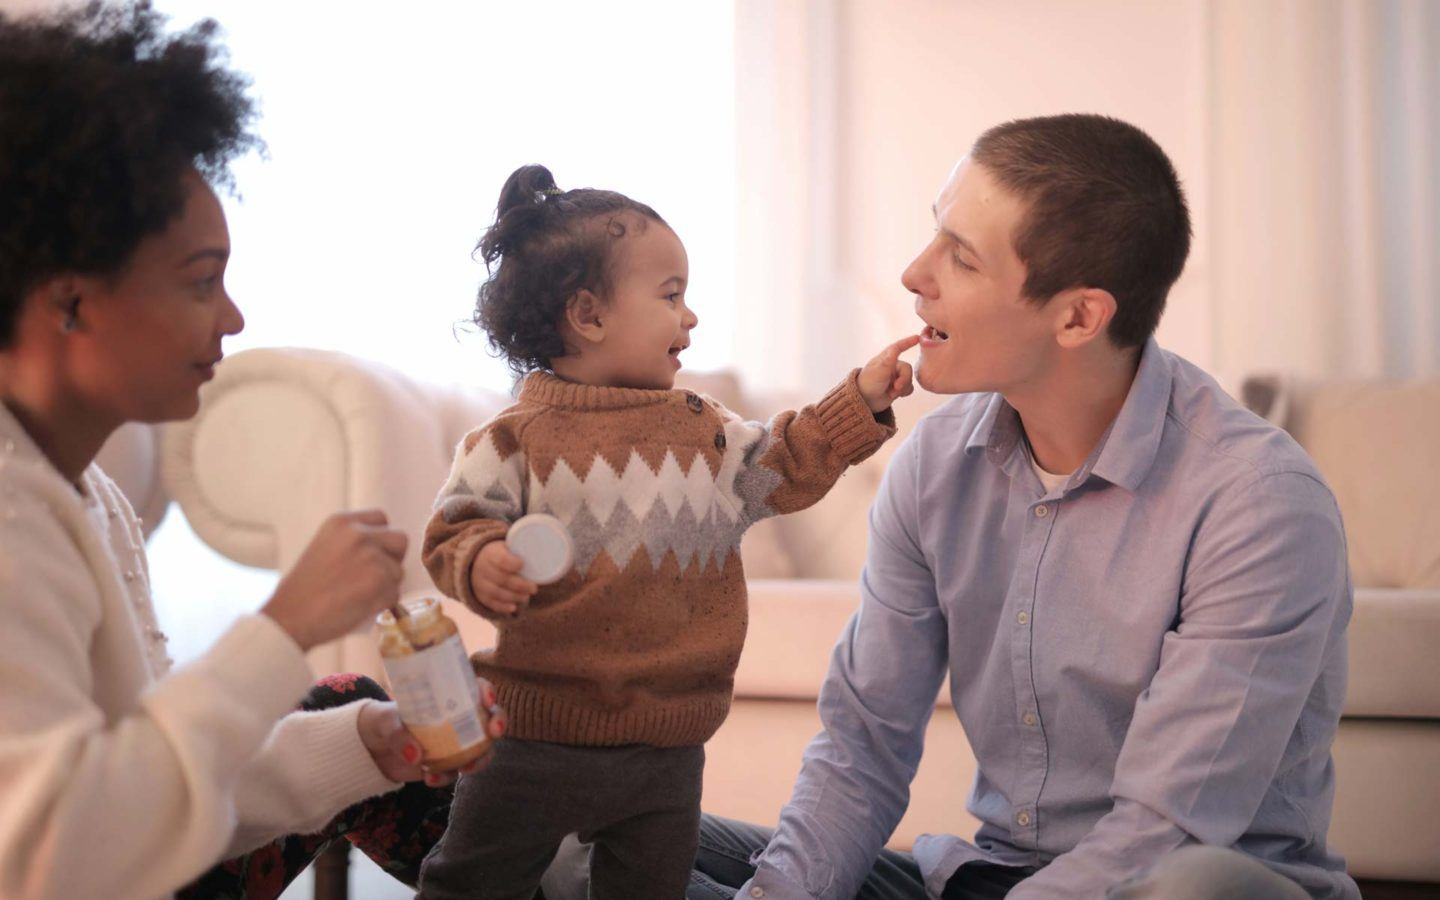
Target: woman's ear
[
  {"x": 583, "y": 314},
  {"x": 60, "y": 299}
]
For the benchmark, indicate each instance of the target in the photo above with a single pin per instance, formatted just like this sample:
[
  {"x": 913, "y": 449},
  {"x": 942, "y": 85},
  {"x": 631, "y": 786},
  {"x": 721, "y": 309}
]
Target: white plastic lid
[{"x": 544, "y": 545}]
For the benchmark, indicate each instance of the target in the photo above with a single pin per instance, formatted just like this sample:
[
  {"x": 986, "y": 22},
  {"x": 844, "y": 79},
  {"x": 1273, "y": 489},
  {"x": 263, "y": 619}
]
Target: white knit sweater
[{"x": 118, "y": 777}]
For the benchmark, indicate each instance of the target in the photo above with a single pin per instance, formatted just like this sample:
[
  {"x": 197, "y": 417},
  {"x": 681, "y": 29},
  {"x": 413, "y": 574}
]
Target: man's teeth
[{"x": 935, "y": 334}]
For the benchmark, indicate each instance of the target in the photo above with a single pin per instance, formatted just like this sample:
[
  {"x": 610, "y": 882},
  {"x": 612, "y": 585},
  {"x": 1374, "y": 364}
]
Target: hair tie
[{"x": 540, "y": 195}]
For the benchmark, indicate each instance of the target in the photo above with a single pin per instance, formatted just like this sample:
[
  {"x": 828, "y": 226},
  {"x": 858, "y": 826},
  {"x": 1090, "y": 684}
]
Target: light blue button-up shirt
[{"x": 1151, "y": 655}]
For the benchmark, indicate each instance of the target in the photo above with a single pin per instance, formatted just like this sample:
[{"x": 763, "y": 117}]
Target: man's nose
[{"x": 916, "y": 277}]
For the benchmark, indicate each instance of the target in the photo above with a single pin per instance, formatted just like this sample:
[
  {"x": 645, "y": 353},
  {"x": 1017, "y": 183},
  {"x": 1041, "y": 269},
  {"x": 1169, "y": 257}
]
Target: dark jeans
[
  {"x": 396, "y": 830},
  {"x": 638, "y": 807},
  {"x": 726, "y": 846}
]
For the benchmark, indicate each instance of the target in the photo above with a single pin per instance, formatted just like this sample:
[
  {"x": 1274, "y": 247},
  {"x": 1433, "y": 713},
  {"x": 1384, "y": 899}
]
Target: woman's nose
[{"x": 232, "y": 321}]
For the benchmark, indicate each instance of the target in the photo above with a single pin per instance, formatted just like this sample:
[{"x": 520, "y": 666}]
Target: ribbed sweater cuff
[
  {"x": 336, "y": 764},
  {"x": 264, "y": 662},
  {"x": 853, "y": 430}
]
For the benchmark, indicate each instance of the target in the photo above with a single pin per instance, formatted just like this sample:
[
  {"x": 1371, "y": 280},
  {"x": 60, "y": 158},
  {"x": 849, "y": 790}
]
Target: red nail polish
[
  {"x": 490, "y": 697},
  {"x": 411, "y": 754},
  {"x": 499, "y": 727}
]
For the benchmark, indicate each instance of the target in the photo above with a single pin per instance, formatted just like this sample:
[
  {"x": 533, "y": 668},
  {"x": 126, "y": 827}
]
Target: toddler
[{"x": 615, "y": 676}]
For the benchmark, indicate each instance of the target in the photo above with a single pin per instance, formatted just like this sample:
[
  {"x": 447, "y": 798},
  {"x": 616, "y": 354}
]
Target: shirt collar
[{"x": 1127, "y": 449}]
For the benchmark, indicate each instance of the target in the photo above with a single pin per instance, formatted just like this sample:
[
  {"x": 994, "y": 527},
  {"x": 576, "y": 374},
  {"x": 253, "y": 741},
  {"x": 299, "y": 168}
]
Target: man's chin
[{"x": 933, "y": 378}]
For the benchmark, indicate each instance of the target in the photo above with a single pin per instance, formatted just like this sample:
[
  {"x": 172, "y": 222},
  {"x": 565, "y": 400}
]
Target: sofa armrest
[{"x": 286, "y": 437}]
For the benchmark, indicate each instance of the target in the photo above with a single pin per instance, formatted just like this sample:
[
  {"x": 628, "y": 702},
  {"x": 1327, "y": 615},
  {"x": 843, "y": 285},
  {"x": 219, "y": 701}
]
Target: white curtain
[{"x": 1325, "y": 179}]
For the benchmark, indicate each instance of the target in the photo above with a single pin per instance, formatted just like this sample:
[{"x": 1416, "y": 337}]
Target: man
[{"x": 1138, "y": 590}]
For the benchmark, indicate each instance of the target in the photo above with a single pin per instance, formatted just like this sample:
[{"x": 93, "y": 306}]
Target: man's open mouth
[{"x": 931, "y": 333}]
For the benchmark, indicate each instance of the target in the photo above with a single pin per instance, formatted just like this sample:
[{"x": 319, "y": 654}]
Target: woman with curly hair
[{"x": 121, "y": 777}]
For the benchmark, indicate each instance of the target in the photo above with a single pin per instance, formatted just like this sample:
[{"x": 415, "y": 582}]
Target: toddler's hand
[
  {"x": 494, "y": 581},
  {"x": 886, "y": 377}
]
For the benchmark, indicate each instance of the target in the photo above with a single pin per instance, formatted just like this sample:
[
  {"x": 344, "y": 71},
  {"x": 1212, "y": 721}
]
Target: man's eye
[{"x": 961, "y": 263}]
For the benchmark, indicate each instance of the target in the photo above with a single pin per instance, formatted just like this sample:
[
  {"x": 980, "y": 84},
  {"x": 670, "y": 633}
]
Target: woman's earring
[{"x": 72, "y": 317}]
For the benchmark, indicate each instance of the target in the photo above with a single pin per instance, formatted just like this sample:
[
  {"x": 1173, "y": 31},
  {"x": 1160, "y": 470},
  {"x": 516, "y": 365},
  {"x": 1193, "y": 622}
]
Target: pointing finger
[{"x": 892, "y": 352}]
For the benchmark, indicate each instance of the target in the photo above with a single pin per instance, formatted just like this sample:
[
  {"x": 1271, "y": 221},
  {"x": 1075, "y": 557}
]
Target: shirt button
[
  {"x": 757, "y": 892},
  {"x": 1028, "y": 718},
  {"x": 1022, "y": 819},
  {"x": 1042, "y": 511},
  {"x": 694, "y": 402},
  {"x": 129, "y": 575},
  {"x": 719, "y": 440},
  {"x": 1023, "y": 618}
]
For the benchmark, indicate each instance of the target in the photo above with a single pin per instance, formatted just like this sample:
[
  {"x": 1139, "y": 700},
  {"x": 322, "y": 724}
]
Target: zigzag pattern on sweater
[{"x": 687, "y": 510}]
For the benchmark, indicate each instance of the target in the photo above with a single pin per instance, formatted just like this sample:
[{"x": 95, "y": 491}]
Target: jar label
[{"x": 436, "y": 692}]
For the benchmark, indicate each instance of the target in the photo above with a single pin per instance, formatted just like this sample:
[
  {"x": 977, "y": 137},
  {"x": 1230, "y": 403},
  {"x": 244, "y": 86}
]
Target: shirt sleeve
[
  {"x": 1266, "y": 599},
  {"x": 878, "y": 696},
  {"x": 483, "y": 496},
  {"x": 792, "y": 461}
]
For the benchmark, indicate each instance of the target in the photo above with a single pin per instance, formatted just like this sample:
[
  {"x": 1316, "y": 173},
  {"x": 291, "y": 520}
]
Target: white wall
[{"x": 899, "y": 94}]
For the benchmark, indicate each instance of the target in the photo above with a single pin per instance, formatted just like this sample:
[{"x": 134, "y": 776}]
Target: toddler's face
[{"x": 647, "y": 323}]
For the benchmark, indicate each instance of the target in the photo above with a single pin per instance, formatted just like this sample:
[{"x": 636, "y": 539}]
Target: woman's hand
[
  {"x": 886, "y": 378},
  {"x": 396, "y": 751},
  {"x": 348, "y": 573}
]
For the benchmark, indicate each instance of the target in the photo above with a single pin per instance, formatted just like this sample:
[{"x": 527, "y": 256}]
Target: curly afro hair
[
  {"x": 545, "y": 246},
  {"x": 101, "y": 113}
]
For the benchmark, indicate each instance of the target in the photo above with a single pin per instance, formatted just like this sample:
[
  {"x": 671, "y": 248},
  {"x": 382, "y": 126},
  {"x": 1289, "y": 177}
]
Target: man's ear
[
  {"x": 1084, "y": 313},
  {"x": 583, "y": 313}
]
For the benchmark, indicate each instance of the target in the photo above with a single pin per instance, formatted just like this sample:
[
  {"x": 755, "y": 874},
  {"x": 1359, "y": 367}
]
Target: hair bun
[{"x": 526, "y": 185}]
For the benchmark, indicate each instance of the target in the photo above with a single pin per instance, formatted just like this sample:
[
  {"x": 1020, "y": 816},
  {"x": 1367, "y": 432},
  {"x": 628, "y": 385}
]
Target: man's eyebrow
[
  {"x": 952, "y": 235},
  {"x": 219, "y": 253}
]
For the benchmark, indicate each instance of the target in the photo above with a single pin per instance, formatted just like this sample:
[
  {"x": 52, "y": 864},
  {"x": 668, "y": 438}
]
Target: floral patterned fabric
[{"x": 395, "y": 830}]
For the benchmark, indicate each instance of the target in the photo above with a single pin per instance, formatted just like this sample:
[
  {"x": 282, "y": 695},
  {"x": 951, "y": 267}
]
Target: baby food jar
[{"x": 433, "y": 683}]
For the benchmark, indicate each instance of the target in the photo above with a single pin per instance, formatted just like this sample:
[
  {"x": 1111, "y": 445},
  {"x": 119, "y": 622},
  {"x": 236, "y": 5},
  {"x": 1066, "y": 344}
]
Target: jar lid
[{"x": 543, "y": 545}]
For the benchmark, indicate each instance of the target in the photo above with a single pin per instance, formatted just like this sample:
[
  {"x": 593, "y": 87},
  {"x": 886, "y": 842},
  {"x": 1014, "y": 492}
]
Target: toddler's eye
[{"x": 673, "y": 298}]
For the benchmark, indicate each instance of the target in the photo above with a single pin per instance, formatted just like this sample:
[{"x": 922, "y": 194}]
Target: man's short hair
[
  {"x": 1104, "y": 209},
  {"x": 101, "y": 114}
]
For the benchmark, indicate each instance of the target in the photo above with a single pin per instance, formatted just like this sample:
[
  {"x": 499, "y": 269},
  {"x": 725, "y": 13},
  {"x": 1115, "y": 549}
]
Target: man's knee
[{"x": 1198, "y": 872}]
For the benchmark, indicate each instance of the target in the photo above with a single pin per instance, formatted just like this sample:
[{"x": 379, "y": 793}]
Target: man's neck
[{"x": 1065, "y": 416}]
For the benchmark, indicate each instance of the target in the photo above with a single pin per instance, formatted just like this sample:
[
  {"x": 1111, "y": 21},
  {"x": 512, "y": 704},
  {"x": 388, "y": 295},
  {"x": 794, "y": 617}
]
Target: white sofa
[{"x": 285, "y": 437}]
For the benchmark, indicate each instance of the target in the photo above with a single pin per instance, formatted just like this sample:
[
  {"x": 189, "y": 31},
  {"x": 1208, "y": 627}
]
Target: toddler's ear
[{"x": 582, "y": 314}]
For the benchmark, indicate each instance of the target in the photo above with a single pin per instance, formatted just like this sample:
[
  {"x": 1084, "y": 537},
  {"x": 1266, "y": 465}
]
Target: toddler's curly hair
[{"x": 545, "y": 246}]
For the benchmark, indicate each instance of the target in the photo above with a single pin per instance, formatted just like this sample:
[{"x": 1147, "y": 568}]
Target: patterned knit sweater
[{"x": 638, "y": 644}]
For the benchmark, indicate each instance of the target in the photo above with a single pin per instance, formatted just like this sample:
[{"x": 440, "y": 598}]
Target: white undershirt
[{"x": 1050, "y": 480}]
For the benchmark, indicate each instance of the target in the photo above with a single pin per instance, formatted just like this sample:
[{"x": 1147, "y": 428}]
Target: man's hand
[
  {"x": 886, "y": 378},
  {"x": 346, "y": 575},
  {"x": 398, "y": 754},
  {"x": 495, "y": 582}
]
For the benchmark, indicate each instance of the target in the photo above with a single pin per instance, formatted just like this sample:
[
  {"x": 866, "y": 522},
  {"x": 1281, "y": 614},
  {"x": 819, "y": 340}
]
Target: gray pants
[
  {"x": 727, "y": 846},
  {"x": 639, "y": 808}
]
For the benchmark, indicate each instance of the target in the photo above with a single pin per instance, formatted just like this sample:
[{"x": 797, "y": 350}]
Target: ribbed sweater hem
[{"x": 539, "y": 715}]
